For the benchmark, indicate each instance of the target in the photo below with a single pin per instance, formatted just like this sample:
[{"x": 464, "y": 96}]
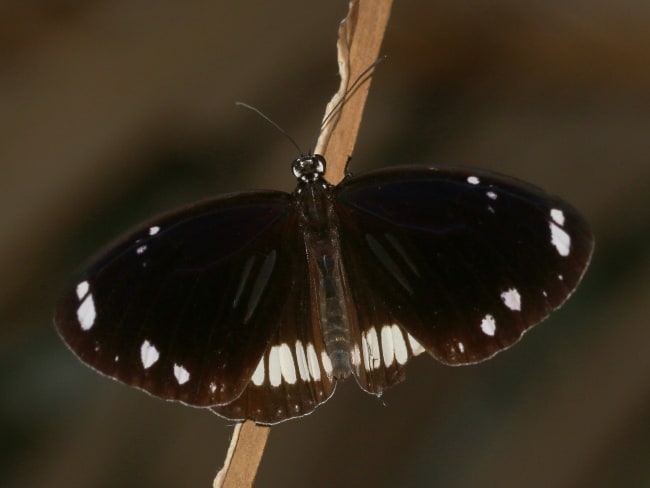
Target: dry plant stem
[
  {"x": 360, "y": 36},
  {"x": 243, "y": 457}
]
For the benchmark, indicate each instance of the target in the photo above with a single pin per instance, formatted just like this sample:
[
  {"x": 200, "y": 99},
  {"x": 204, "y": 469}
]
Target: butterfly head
[{"x": 309, "y": 168}]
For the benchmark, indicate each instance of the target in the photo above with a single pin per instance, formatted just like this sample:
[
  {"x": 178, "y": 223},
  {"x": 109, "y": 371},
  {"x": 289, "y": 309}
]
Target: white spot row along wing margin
[
  {"x": 284, "y": 363},
  {"x": 393, "y": 347},
  {"x": 149, "y": 356}
]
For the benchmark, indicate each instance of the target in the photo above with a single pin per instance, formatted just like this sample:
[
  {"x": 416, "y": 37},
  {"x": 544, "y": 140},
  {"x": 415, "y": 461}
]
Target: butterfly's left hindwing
[
  {"x": 464, "y": 261},
  {"x": 185, "y": 306},
  {"x": 294, "y": 375}
]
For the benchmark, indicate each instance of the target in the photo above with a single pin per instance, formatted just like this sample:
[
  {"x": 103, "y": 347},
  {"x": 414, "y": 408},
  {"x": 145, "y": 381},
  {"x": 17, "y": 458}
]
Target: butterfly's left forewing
[
  {"x": 463, "y": 261},
  {"x": 185, "y": 306}
]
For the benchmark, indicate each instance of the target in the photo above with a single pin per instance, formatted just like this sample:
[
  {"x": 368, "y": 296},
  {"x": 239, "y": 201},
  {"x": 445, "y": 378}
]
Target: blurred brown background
[{"x": 112, "y": 111}]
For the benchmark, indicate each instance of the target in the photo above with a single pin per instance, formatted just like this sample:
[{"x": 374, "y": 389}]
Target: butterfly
[{"x": 256, "y": 304}]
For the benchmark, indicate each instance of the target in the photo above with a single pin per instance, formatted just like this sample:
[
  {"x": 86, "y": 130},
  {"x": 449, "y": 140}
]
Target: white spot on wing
[
  {"x": 82, "y": 289},
  {"x": 275, "y": 370},
  {"x": 512, "y": 299},
  {"x": 560, "y": 239},
  {"x": 286, "y": 364},
  {"x": 182, "y": 375},
  {"x": 258, "y": 375},
  {"x": 213, "y": 386},
  {"x": 387, "y": 345},
  {"x": 86, "y": 313},
  {"x": 488, "y": 325},
  {"x": 355, "y": 355},
  {"x": 461, "y": 347},
  {"x": 416, "y": 347},
  {"x": 491, "y": 195},
  {"x": 154, "y": 230},
  {"x": 365, "y": 352},
  {"x": 373, "y": 352},
  {"x": 327, "y": 363},
  {"x": 148, "y": 354},
  {"x": 401, "y": 353},
  {"x": 301, "y": 359},
  {"x": 558, "y": 216},
  {"x": 312, "y": 362},
  {"x": 473, "y": 180},
  {"x": 141, "y": 249}
]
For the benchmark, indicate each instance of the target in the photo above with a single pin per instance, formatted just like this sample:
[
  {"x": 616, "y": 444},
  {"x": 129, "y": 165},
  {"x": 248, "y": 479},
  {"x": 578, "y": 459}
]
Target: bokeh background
[{"x": 112, "y": 111}]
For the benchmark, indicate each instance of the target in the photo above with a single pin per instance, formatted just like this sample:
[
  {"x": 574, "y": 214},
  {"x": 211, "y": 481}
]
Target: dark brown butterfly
[{"x": 255, "y": 304}]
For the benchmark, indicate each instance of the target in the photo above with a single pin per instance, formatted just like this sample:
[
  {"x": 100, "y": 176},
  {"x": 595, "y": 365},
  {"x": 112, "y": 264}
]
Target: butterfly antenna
[
  {"x": 273, "y": 123},
  {"x": 365, "y": 75}
]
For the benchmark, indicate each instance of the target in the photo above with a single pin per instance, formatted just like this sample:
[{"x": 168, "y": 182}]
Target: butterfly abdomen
[
  {"x": 320, "y": 227},
  {"x": 333, "y": 313}
]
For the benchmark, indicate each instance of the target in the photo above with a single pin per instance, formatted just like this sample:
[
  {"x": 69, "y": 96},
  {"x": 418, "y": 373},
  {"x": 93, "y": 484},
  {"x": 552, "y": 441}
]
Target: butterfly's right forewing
[{"x": 464, "y": 261}]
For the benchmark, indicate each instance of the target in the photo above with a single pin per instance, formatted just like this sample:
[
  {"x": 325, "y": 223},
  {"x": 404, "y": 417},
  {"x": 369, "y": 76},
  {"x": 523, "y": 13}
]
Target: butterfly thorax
[{"x": 319, "y": 225}]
